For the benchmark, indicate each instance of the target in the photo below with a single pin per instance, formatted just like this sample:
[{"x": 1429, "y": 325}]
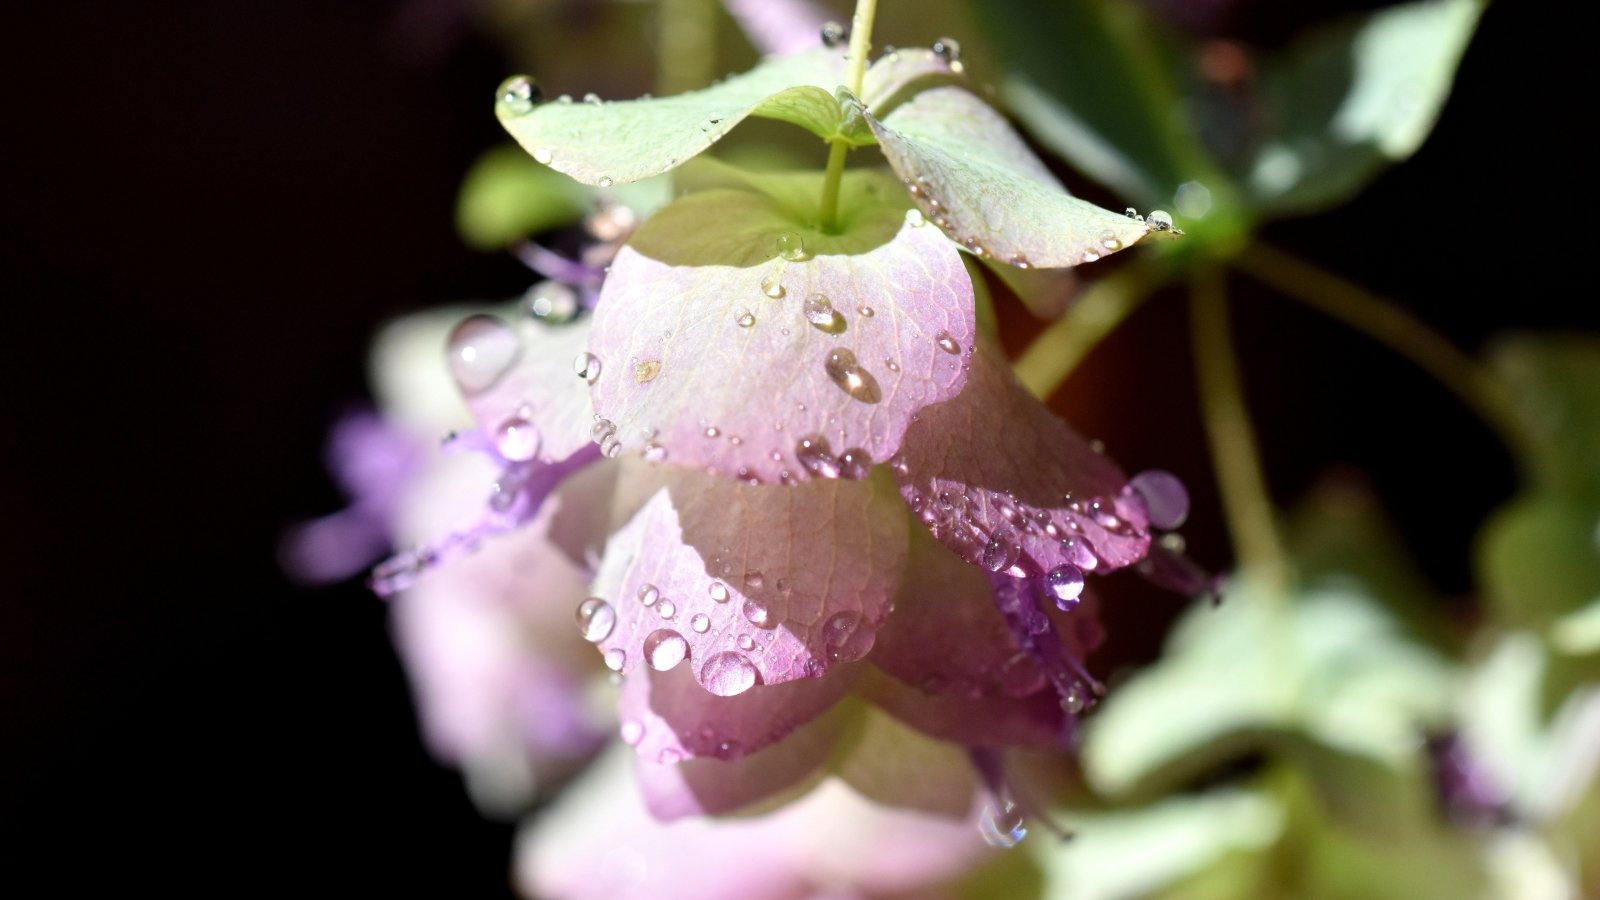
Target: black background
[{"x": 208, "y": 208}]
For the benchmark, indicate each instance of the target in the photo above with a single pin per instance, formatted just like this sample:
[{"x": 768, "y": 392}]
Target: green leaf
[
  {"x": 1553, "y": 383},
  {"x": 507, "y": 196},
  {"x": 1352, "y": 98},
  {"x": 1578, "y": 634},
  {"x": 977, "y": 180},
  {"x": 1538, "y": 558},
  {"x": 617, "y": 142}
]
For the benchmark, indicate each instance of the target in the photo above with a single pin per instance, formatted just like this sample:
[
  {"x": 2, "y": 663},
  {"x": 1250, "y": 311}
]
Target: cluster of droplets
[
  {"x": 1158, "y": 219},
  {"x": 816, "y": 457}
]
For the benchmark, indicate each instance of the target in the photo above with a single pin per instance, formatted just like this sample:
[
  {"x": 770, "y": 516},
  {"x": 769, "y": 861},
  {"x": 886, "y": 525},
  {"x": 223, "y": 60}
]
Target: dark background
[{"x": 208, "y": 208}]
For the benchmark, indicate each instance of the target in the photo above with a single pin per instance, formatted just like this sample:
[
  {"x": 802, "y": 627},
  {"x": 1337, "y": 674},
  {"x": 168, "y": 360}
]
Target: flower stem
[
  {"x": 1104, "y": 305},
  {"x": 860, "y": 46},
  {"x": 1234, "y": 454},
  {"x": 1390, "y": 325}
]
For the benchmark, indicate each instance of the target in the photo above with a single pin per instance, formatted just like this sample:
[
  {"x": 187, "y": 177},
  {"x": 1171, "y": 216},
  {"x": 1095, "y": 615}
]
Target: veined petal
[
  {"x": 752, "y": 585},
  {"x": 719, "y": 352},
  {"x": 975, "y": 178},
  {"x": 1004, "y": 483}
]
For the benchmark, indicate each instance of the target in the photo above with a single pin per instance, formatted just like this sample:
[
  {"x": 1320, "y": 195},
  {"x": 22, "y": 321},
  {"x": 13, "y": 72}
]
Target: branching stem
[{"x": 1103, "y": 306}]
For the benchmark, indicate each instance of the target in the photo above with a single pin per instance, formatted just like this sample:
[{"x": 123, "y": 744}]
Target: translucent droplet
[
  {"x": 1109, "y": 241},
  {"x": 1164, "y": 496},
  {"x": 648, "y": 595},
  {"x": 632, "y": 732},
  {"x": 947, "y": 49},
  {"x": 772, "y": 286},
  {"x": 728, "y": 673},
  {"x": 551, "y": 302},
  {"x": 700, "y": 622},
  {"x": 1159, "y": 220},
  {"x": 754, "y": 578},
  {"x": 1002, "y": 825},
  {"x": 654, "y": 452},
  {"x": 518, "y": 95},
  {"x": 517, "y": 439},
  {"x": 1075, "y": 700},
  {"x": 892, "y": 365},
  {"x": 855, "y": 464},
  {"x": 843, "y": 370},
  {"x": 543, "y": 156},
  {"x": 756, "y": 614},
  {"x": 791, "y": 247},
  {"x": 819, "y": 311},
  {"x": 480, "y": 351},
  {"x": 587, "y": 366},
  {"x": 664, "y": 649},
  {"x": 866, "y": 312},
  {"x": 816, "y": 457},
  {"x": 1001, "y": 552},
  {"x": 844, "y": 638},
  {"x": 1090, "y": 256},
  {"x": 833, "y": 34},
  {"x": 1066, "y": 584},
  {"x": 615, "y": 659},
  {"x": 719, "y": 592},
  {"x": 605, "y": 181},
  {"x": 914, "y": 217},
  {"x": 596, "y": 618},
  {"x": 666, "y": 609},
  {"x": 746, "y": 318},
  {"x": 946, "y": 342},
  {"x": 1020, "y": 261},
  {"x": 1081, "y": 552}
]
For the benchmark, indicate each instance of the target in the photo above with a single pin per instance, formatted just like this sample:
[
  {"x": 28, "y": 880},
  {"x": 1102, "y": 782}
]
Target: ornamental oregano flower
[{"x": 801, "y": 477}]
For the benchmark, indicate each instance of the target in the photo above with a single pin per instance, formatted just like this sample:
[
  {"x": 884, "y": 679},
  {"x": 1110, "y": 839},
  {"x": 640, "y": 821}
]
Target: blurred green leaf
[
  {"x": 1538, "y": 559},
  {"x": 1579, "y": 633},
  {"x": 1555, "y": 383},
  {"x": 507, "y": 197},
  {"x": 1349, "y": 99}
]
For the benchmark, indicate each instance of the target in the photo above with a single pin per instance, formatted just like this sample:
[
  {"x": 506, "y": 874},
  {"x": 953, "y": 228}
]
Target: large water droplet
[
  {"x": 700, "y": 622},
  {"x": 517, "y": 439},
  {"x": 1002, "y": 825},
  {"x": 1164, "y": 496},
  {"x": 946, "y": 342},
  {"x": 842, "y": 368},
  {"x": 819, "y": 311},
  {"x": 615, "y": 659},
  {"x": 754, "y": 578},
  {"x": 518, "y": 95},
  {"x": 596, "y": 618},
  {"x": 815, "y": 456},
  {"x": 791, "y": 247},
  {"x": 1081, "y": 552},
  {"x": 1159, "y": 220},
  {"x": 649, "y": 594},
  {"x": 665, "y": 648},
  {"x": 757, "y": 614},
  {"x": 480, "y": 350},
  {"x": 772, "y": 286},
  {"x": 855, "y": 464},
  {"x": 1002, "y": 551},
  {"x": 728, "y": 673},
  {"x": 550, "y": 302},
  {"x": 844, "y": 638},
  {"x": 587, "y": 366},
  {"x": 1066, "y": 584},
  {"x": 745, "y": 318},
  {"x": 667, "y": 609},
  {"x": 718, "y": 591}
]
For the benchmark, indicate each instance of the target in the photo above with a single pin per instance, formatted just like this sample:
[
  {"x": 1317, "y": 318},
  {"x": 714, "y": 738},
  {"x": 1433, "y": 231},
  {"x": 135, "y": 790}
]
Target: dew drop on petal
[
  {"x": 1109, "y": 241},
  {"x": 596, "y": 618},
  {"x": 844, "y": 639},
  {"x": 517, "y": 439},
  {"x": 1001, "y": 552},
  {"x": 947, "y": 49},
  {"x": 667, "y": 609},
  {"x": 664, "y": 649},
  {"x": 632, "y": 732},
  {"x": 543, "y": 155},
  {"x": 1164, "y": 496},
  {"x": 518, "y": 95},
  {"x": 791, "y": 247},
  {"x": 816, "y": 457},
  {"x": 480, "y": 350},
  {"x": 843, "y": 370},
  {"x": 946, "y": 342},
  {"x": 719, "y": 592},
  {"x": 550, "y": 302},
  {"x": 648, "y": 595},
  {"x": 654, "y": 452},
  {"x": 728, "y": 673},
  {"x": 746, "y": 642},
  {"x": 855, "y": 464},
  {"x": 646, "y": 371},
  {"x": 1159, "y": 220},
  {"x": 866, "y": 312},
  {"x": 615, "y": 659},
  {"x": 700, "y": 622},
  {"x": 772, "y": 286},
  {"x": 754, "y": 578},
  {"x": 587, "y": 366},
  {"x": 819, "y": 311},
  {"x": 756, "y": 614},
  {"x": 1066, "y": 585},
  {"x": 1002, "y": 825},
  {"x": 1081, "y": 552},
  {"x": 745, "y": 318},
  {"x": 915, "y": 218}
]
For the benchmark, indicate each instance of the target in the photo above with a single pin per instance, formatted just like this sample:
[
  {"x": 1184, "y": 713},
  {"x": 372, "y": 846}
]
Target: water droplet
[
  {"x": 1001, "y": 552},
  {"x": 615, "y": 659},
  {"x": 1002, "y": 825},
  {"x": 892, "y": 365},
  {"x": 1109, "y": 241},
  {"x": 946, "y": 342},
  {"x": 866, "y": 312},
  {"x": 947, "y": 49},
  {"x": 1075, "y": 700},
  {"x": 1090, "y": 256},
  {"x": 1159, "y": 220},
  {"x": 605, "y": 181},
  {"x": 596, "y": 618},
  {"x": 754, "y": 578},
  {"x": 851, "y": 378},
  {"x": 772, "y": 286},
  {"x": 517, "y": 439},
  {"x": 728, "y": 673},
  {"x": 746, "y": 318},
  {"x": 587, "y": 366},
  {"x": 480, "y": 350},
  {"x": 550, "y": 302},
  {"x": 646, "y": 371},
  {"x": 855, "y": 464},
  {"x": 819, "y": 311},
  {"x": 664, "y": 649},
  {"x": 719, "y": 592},
  {"x": 632, "y": 732},
  {"x": 757, "y": 614},
  {"x": 914, "y": 217},
  {"x": 844, "y": 638},
  {"x": 791, "y": 247},
  {"x": 648, "y": 595},
  {"x": 833, "y": 34},
  {"x": 518, "y": 95},
  {"x": 667, "y": 609},
  {"x": 1066, "y": 585},
  {"x": 543, "y": 156},
  {"x": 816, "y": 457},
  {"x": 700, "y": 622},
  {"x": 1081, "y": 553},
  {"x": 654, "y": 452},
  {"x": 1020, "y": 261},
  {"x": 1164, "y": 496}
]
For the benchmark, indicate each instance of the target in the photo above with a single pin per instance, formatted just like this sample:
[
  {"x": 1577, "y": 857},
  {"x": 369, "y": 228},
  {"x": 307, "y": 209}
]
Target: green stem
[
  {"x": 1103, "y": 306},
  {"x": 1234, "y": 453},
  {"x": 860, "y": 46},
  {"x": 1390, "y": 325},
  {"x": 687, "y": 53}
]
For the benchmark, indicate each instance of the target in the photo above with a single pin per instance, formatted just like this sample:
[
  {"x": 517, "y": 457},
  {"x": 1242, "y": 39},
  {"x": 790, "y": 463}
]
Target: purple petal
[
  {"x": 999, "y": 479},
  {"x": 779, "y": 27},
  {"x": 752, "y": 585},
  {"x": 521, "y": 382},
  {"x": 1034, "y": 720},
  {"x": 701, "y": 368}
]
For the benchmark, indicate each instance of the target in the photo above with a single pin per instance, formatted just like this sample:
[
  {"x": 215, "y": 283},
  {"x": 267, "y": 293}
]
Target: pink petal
[
  {"x": 521, "y": 380},
  {"x": 1009, "y": 487},
  {"x": 752, "y": 585},
  {"x": 779, "y": 27},
  {"x": 702, "y": 369}
]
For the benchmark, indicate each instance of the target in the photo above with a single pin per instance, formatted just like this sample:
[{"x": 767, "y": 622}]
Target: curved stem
[
  {"x": 1234, "y": 454},
  {"x": 860, "y": 46},
  {"x": 1392, "y": 326},
  {"x": 1104, "y": 305}
]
